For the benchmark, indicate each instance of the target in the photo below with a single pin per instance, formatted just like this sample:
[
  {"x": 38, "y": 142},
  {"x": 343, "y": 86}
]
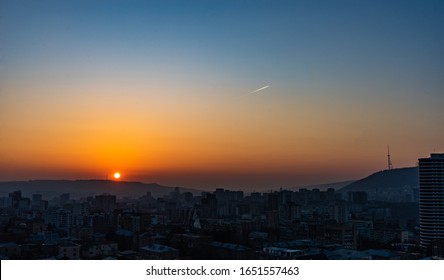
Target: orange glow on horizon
[{"x": 198, "y": 135}]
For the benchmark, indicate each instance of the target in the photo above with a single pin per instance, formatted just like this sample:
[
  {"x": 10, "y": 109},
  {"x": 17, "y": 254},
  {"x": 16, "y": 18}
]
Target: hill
[
  {"x": 78, "y": 188},
  {"x": 395, "y": 179}
]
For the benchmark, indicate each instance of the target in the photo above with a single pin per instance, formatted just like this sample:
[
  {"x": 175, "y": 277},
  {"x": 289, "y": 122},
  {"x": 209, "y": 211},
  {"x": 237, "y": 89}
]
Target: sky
[{"x": 204, "y": 94}]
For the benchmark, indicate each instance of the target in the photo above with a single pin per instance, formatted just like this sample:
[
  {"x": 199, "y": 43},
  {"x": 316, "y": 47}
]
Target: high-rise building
[
  {"x": 431, "y": 202},
  {"x": 15, "y": 199}
]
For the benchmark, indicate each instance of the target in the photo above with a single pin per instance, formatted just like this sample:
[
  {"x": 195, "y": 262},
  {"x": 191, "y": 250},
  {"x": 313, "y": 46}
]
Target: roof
[
  {"x": 124, "y": 232},
  {"x": 8, "y": 245},
  {"x": 158, "y": 248},
  {"x": 128, "y": 252},
  {"x": 346, "y": 254},
  {"x": 381, "y": 253},
  {"x": 258, "y": 234},
  {"x": 279, "y": 249},
  {"x": 298, "y": 243},
  {"x": 68, "y": 244},
  {"x": 230, "y": 246}
]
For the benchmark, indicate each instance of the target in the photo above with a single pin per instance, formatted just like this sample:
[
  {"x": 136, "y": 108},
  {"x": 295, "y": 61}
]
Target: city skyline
[{"x": 220, "y": 93}]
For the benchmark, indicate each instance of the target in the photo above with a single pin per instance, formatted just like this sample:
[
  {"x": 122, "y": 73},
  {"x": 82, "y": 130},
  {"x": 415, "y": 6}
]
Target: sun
[{"x": 116, "y": 175}]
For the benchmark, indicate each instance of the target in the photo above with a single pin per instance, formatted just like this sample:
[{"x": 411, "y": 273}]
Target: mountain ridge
[
  {"x": 378, "y": 182},
  {"x": 88, "y": 187},
  {"x": 385, "y": 180}
]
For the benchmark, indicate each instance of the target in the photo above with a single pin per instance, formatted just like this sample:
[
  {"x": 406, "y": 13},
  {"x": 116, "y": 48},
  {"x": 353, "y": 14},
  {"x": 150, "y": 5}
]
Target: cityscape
[
  {"x": 331, "y": 224},
  {"x": 221, "y": 130}
]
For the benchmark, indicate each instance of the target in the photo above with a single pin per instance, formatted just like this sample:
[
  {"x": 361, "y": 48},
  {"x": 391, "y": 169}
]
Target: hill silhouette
[
  {"x": 78, "y": 188},
  {"x": 324, "y": 187},
  {"x": 385, "y": 180}
]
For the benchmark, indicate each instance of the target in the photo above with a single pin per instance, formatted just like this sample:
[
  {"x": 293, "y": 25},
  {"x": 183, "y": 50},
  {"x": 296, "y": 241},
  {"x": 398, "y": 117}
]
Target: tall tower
[
  {"x": 431, "y": 199},
  {"x": 389, "y": 161}
]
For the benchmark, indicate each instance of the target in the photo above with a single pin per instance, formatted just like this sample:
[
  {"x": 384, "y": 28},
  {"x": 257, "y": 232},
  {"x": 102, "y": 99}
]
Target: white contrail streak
[
  {"x": 259, "y": 89},
  {"x": 254, "y": 91}
]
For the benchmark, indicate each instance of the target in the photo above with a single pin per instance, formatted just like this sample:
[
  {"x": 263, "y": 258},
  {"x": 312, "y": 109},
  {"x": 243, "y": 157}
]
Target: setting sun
[{"x": 116, "y": 175}]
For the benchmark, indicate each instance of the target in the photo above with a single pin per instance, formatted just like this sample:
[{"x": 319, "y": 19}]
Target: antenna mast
[{"x": 389, "y": 161}]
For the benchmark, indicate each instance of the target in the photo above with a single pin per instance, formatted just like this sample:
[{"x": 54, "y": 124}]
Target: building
[
  {"x": 431, "y": 203},
  {"x": 79, "y": 211},
  {"x": 69, "y": 250},
  {"x": 192, "y": 245},
  {"x": 105, "y": 202},
  {"x": 64, "y": 198},
  {"x": 63, "y": 219},
  {"x": 96, "y": 251},
  {"x": 339, "y": 212},
  {"x": 229, "y": 251},
  {"x": 158, "y": 252},
  {"x": 11, "y": 250},
  {"x": 15, "y": 197},
  {"x": 343, "y": 234},
  {"x": 282, "y": 253}
]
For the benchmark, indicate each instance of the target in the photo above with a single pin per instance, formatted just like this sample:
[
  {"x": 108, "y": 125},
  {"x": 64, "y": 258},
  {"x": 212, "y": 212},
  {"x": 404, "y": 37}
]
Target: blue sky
[{"x": 320, "y": 41}]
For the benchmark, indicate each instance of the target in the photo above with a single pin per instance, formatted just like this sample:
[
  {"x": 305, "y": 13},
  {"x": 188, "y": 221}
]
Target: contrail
[
  {"x": 259, "y": 89},
  {"x": 254, "y": 91}
]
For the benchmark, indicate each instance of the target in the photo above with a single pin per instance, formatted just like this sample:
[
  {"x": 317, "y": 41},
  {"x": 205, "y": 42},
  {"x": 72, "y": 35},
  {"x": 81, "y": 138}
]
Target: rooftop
[
  {"x": 437, "y": 156},
  {"x": 8, "y": 245},
  {"x": 158, "y": 248},
  {"x": 230, "y": 246},
  {"x": 283, "y": 250}
]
